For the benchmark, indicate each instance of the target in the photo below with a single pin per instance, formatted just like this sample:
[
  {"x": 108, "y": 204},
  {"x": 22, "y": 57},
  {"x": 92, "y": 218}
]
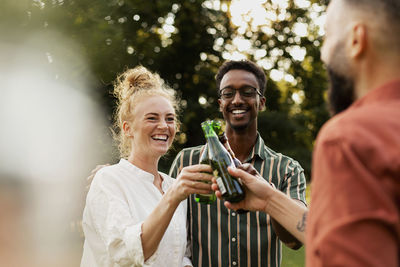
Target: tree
[{"x": 186, "y": 41}]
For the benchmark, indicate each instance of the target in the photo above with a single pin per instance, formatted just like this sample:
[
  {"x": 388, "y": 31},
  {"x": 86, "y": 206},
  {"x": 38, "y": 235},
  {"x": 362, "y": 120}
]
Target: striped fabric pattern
[{"x": 221, "y": 237}]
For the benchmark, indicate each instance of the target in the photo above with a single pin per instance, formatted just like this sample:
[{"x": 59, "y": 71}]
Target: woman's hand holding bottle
[{"x": 192, "y": 180}]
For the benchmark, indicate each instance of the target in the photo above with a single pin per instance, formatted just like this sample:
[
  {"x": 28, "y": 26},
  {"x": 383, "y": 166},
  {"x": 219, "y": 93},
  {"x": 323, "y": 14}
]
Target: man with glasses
[{"x": 222, "y": 237}]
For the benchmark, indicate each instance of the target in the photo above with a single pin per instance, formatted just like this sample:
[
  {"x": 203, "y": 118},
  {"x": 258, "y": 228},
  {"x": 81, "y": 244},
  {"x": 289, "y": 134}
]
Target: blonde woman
[{"x": 134, "y": 214}]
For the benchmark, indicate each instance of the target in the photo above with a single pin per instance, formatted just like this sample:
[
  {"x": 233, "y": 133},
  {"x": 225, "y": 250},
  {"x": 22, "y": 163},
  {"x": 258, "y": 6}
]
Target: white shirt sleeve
[
  {"x": 110, "y": 217},
  {"x": 120, "y": 198}
]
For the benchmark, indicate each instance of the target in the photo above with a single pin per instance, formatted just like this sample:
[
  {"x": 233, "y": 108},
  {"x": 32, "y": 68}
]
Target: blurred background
[{"x": 58, "y": 59}]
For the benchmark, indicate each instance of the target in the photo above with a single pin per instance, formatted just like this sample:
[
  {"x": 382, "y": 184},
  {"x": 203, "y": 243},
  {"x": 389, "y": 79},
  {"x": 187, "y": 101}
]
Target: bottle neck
[
  {"x": 209, "y": 132},
  {"x": 216, "y": 140}
]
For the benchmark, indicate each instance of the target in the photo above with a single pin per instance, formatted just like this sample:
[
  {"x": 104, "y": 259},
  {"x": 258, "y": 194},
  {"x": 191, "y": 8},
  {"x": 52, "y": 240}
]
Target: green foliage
[
  {"x": 293, "y": 258},
  {"x": 185, "y": 41}
]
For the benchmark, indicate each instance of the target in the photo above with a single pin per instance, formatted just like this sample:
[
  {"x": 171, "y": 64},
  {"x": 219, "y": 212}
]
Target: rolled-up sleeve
[{"x": 294, "y": 184}]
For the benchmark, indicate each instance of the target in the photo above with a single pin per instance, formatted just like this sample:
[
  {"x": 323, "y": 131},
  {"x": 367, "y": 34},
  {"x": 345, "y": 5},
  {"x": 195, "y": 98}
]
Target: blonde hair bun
[{"x": 134, "y": 80}]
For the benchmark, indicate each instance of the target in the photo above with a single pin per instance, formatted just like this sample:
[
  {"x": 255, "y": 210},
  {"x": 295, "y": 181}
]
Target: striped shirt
[{"x": 222, "y": 237}]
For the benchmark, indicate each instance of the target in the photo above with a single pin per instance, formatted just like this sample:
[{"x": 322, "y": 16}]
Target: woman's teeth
[{"x": 161, "y": 137}]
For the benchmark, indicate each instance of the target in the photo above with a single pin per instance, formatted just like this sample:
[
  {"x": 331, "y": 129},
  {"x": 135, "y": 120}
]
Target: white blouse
[{"x": 120, "y": 198}]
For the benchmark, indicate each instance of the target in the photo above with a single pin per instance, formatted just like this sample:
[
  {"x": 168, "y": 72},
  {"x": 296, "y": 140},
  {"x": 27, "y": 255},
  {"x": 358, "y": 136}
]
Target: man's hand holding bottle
[
  {"x": 258, "y": 190},
  {"x": 262, "y": 196}
]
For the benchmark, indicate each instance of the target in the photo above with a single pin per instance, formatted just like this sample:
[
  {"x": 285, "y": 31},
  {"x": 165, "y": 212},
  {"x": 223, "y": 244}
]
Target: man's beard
[
  {"x": 239, "y": 128},
  {"x": 340, "y": 93}
]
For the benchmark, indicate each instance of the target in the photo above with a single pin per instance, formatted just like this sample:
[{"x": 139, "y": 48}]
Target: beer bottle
[
  {"x": 205, "y": 198},
  {"x": 220, "y": 159},
  {"x": 210, "y": 198},
  {"x": 224, "y": 140}
]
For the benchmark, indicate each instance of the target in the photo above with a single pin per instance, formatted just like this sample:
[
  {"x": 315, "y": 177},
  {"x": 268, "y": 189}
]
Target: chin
[
  {"x": 341, "y": 92},
  {"x": 161, "y": 150},
  {"x": 239, "y": 126}
]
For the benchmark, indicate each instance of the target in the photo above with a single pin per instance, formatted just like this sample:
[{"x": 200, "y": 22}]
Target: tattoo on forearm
[{"x": 301, "y": 225}]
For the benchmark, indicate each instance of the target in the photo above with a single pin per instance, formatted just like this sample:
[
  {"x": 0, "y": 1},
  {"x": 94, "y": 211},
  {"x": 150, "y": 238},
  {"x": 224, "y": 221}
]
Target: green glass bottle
[
  {"x": 205, "y": 198},
  {"x": 224, "y": 141},
  {"x": 220, "y": 159}
]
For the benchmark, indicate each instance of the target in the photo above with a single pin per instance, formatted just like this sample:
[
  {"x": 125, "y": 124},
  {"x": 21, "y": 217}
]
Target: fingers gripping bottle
[
  {"x": 219, "y": 160},
  {"x": 205, "y": 198}
]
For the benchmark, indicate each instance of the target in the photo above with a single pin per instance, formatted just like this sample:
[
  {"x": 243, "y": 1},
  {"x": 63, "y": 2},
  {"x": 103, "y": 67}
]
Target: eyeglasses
[{"x": 245, "y": 92}]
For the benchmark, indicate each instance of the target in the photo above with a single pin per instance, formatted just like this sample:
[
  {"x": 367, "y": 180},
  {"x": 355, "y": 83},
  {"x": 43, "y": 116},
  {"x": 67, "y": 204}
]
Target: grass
[{"x": 293, "y": 258}]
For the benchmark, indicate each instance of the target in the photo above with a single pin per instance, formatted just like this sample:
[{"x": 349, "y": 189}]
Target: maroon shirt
[{"x": 354, "y": 218}]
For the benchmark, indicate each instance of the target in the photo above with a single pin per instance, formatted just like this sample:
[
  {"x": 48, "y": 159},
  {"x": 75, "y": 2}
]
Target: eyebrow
[
  {"x": 156, "y": 114},
  {"x": 241, "y": 87}
]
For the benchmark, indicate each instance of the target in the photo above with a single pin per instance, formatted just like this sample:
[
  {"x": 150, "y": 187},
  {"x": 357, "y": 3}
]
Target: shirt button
[
  {"x": 234, "y": 263},
  {"x": 233, "y": 214},
  {"x": 233, "y": 239}
]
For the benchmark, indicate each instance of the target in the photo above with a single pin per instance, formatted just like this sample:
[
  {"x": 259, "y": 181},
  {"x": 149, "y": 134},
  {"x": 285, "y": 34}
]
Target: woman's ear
[{"x": 127, "y": 129}]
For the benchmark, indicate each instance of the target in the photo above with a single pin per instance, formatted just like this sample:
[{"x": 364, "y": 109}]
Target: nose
[
  {"x": 237, "y": 98},
  {"x": 162, "y": 125}
]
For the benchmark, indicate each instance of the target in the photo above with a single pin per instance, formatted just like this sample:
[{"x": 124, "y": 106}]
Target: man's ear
[
  {"x": 359, "y": 40},
  {"x": 219, "y": 105},
  {"x": 262, "y": 103}
]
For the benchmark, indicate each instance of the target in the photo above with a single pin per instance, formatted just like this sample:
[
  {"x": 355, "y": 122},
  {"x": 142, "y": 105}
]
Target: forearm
[
  {"x": 289, "y": 218},
  {"x": 156, "y": 224},
  {"x": 285, "y": 236}
]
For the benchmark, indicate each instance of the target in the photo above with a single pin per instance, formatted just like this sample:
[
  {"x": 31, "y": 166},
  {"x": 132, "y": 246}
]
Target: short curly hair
[{"x": 246, "y": 65}]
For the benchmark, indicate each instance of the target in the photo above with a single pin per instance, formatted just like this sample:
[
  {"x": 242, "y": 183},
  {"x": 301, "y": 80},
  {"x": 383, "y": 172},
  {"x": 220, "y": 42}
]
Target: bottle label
[{"x": 221, "y": 185}]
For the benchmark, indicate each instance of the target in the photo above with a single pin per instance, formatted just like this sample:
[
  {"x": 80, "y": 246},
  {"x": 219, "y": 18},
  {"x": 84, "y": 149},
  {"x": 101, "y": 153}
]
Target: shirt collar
[
  {"x": 258, "y": 149},
  {"x": 387, "y": 92},
  {"x": 135, "y": 170}
]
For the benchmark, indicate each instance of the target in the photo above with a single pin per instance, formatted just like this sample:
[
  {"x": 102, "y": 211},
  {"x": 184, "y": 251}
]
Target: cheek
[
  {"x": 324, "y": 52},
  {"x": 173, "y": 129},
  {"x": 221, "y": 105}
]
